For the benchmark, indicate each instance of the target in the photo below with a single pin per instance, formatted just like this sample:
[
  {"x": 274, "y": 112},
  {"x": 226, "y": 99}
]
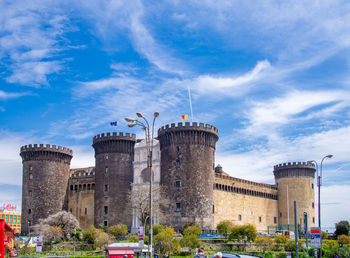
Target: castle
[{"x": 184, "y": 166}]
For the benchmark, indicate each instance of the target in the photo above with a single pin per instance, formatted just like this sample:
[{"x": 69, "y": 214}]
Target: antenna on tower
[{"x": 189, "y": 97}]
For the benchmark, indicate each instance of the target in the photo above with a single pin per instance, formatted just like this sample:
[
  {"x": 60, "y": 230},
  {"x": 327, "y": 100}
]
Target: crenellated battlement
[
  {"x": 114, "y": 143},
  {"x": 46, "y": 147},
  {"x": 188, "y": 126},
  {"x": 114, "y": 136},
  {"x": 294, "y": 165},
  {"x": 294, "y": 169}
]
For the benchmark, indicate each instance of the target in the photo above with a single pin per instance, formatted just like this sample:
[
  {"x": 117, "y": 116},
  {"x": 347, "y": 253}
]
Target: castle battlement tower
[
  {"x": 114, "y": 155},
  {"x": 45, "y": 181},
  {"x": 187, "y": 172},
  {"x": 295, "y": 181}
]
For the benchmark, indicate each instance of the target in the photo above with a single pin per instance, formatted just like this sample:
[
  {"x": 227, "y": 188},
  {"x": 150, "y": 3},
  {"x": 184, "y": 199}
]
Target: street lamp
[
  {"x": 319, "y": 183},
  {"x": 149, "y": 146}
]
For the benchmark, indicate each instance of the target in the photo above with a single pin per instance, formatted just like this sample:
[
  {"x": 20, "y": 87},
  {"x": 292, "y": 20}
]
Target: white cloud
[
  {"x": 33, "y": 73},
  {"x": 10, "y": 95},
  {"x": 265, "y": 116},
  {"x": 31, "y": 34},
  {"x": 234, "y": 85}
]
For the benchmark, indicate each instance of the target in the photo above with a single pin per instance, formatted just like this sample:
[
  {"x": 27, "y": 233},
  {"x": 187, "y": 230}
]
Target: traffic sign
[{"x": 315, "y": 238}]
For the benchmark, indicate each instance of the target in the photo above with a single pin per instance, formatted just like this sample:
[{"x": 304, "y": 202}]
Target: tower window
[
  {"x": 106, "y": 170},
  {"x": 260, "y": 219},
  {"x": 178, "y": 206},
  {"x": 30, "y": 176},
  {"x": 29, "y": 211},
  {"x": 30, "y": 193},
  {"x": 313, "y": 219},
  {"x": 178, "y": 184},
  {"x": 30, "y": 168},
  {"x": 70, "y": 210},
  {"x": 275, "y": 220},
  {"x": 177, "y": 163},
  {"x": 106, "y": 188},
  {"x": 312, "y": 186},
  {"x": 313, "y": 205},
  {"x": 106, "y": 210},
  {"x": 239, "y": 217},
  {"x": 85, "y": 211},
  {"x": 71, "y": 187},
  {"x": 76, "y": 188},
  {"x": 105, "y": 223},
  {"x": 106, "y": 156},
  {"x": 281, "y": 214}
]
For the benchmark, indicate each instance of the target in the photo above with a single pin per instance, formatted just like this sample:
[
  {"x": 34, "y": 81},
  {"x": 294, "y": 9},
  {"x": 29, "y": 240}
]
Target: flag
[
  {"x": 184, "y": 116},
  {"x": 114, "y": 123}
]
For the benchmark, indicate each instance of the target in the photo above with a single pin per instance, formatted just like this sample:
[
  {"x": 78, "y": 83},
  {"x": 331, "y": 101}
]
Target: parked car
[
  {"x": 232, "y": 255},
  {"x": 207, "y": 235}
]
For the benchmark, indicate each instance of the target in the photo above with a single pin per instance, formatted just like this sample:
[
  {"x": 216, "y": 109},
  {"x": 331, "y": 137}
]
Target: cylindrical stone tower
[
  {"x": 295, "y": 182},
  {"x": 187, "y": 173},
  {"x": 45, "y": 181},
  {"x": 114, "y": 155}
]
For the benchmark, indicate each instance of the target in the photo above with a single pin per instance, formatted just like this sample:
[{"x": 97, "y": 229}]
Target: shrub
[
  {"x": 133, "y": 238},
  {"x": 343, "y": 239},
  {"x": 118, "y": 231},
  {"x": 330, "y": 249},
  {"x": 265, "y": 243},
  {"x": 281, "y": 239}
]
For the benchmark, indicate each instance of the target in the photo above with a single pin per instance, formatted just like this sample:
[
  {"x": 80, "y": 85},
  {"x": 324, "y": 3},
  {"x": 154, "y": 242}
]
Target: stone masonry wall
[
  {"x": 81, "y": 195},
  {"x": 187, "y": 173},
  {"x": 45, "y": 181},
  {"x": 242, "y": 202},
  {"x": 114, "y": 155}
]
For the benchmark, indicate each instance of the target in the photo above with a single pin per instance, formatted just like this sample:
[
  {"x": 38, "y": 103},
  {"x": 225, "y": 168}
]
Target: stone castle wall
[
  {"x": 81, "y": 195},
  {"x": 187, "y": 173},
  {"x": 114, "y": 155},
  {"x": 241, "y": 201},
  {"x": 45, "y": 181},
  {"x": 196, "y": 193},
  {"x": 298, "y": 180}
]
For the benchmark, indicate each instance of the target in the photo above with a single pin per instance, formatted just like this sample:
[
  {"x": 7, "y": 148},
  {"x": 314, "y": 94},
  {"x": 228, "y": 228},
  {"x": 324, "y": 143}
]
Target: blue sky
[{"x": 273, "y": 76}]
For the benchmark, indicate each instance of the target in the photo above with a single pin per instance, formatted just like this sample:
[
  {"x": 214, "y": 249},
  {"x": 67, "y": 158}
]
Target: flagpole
[{"x": 189, "y": 97}]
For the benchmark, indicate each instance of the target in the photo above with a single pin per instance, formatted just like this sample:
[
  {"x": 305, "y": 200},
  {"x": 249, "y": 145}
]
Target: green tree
[
  {"x": 224, "y": 227},
  {"x": 342, "y": 228},
  {"x": 157, "y": 228},
  {"x": 169, "y": 245},
  {"x": 192, "y": 230},
  {"x": 118, "y": 231},
  {"x": 245, "y": 232},
  {"x": 324, "y": 235},
  {"x": 191, "y": 237},
  {"x": 95, "y": 236}
]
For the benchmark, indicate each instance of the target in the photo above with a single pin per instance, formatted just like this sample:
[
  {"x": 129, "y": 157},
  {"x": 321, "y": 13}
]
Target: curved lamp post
[
  {"x": 149, "y": 145},
  {"x": 319, "y": 183}
]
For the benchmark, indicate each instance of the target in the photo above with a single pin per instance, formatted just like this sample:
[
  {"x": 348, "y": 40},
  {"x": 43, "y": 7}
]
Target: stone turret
[
  {"x": 295, "y": 181},
  {"x": 187, "y": 173},
  {"x": 45, "y": 180},
  {"x": 114, "y": 155}
]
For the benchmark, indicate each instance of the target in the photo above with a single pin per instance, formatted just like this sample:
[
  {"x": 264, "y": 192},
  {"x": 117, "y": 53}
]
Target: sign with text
[
  {"x": 141, "y": 238},
  {"x": 315, "y": 237}
]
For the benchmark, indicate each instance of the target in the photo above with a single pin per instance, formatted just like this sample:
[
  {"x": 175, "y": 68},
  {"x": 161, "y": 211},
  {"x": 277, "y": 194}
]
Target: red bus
[{"x": 7, "y": 238}]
